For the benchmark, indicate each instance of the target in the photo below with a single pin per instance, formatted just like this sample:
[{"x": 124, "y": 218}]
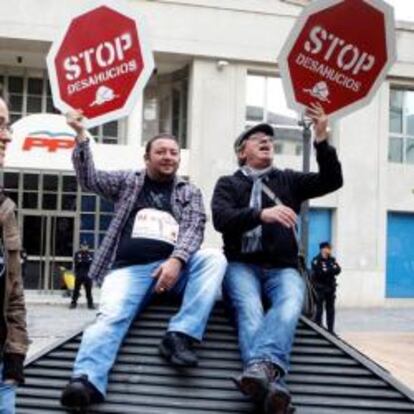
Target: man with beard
[{"x": 152, "y": 246}]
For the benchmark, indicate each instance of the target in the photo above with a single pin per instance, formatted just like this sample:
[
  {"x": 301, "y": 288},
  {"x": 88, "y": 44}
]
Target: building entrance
[{"x": 49, "y": 242}]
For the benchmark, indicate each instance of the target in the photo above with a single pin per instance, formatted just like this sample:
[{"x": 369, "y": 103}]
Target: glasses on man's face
[{"x": 260, "y": 137}]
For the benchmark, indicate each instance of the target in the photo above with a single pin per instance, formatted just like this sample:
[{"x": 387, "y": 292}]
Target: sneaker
[
  {"x": 92, "y": 306},
  {"x": 255, "y": 380},
  {"x": 177, "y": 348},
  {"x": 73, "y": 305},
  {"x": 278, "y": 399},
  {"x": 80, "y": 393}
]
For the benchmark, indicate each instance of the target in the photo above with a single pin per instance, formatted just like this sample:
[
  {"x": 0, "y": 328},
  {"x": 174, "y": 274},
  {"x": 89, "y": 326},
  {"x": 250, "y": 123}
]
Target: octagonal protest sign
[
  {"x": 338, "y": 54},
  {"x": 101, "y": 62}
]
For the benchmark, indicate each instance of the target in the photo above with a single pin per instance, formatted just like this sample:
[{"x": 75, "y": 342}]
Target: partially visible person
[
  {"x": 13, "y": 331},
  {"x": 262, "y": 283},
  {"x": 82, "y": 262},
  {"x": 151, "y": 248},
  {"x": 325, "y": 269}
]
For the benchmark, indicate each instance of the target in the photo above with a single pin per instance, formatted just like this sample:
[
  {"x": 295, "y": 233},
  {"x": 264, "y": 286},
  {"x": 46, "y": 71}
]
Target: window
[
  {"x": 50, "y": 184},
  {"x": 15, "y": 94},
  {"x": 35, "y": 92},
  {"x": 27, "y": 93},
  {"x": 265, "y": 102},
  {"x": 59, "y": 194},
  {"x": 11, "y": 185},
  {"x": 30, "y": 191},
  {"x": 87, "y": 233},
  {"x": 106, "y": 210},
  {"x": 96, "y": 215},
  {"x": 110, "y": 133},
  {"x": 179, "y": 112},
  {"x": 30, "y": 93},
  {"x": 166, "y": 105},
  {"x": 401, "y": 126},
  {"x": 69, "y": 193}
]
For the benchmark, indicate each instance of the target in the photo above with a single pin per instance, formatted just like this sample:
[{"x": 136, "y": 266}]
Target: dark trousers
[
  {"x": 87, "y": 283},
  {"x": 325, "y": 298}
]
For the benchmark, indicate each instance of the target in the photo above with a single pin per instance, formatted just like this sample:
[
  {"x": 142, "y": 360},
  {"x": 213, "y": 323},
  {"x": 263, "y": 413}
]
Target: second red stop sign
[
  {"x": 337, "y": 54},
  {"x": 100, "y": 63}
]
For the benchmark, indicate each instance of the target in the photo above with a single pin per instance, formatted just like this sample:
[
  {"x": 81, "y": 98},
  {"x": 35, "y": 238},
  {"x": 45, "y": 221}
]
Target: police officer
[
  {"x": 324, "y": 271},
  {"x": 82, "y": 262}
]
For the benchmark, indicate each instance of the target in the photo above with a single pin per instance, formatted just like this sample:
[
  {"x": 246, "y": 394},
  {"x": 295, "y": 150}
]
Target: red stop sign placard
[
  {"x": 338, "y": 53},
  {"x": 100, "y": 63}
]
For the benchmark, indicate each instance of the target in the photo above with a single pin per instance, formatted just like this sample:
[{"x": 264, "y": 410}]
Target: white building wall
[
  {"x": 216, "y": 117},
  {"x": 361, "y": 210}
]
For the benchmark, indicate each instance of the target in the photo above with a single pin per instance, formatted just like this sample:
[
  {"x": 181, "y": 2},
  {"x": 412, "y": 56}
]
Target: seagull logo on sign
[
  {"x": 103, "y": 95},
  {"x": 319, "y": 91}
]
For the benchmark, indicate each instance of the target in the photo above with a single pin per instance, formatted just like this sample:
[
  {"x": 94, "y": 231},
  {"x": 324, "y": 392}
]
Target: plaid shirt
[{"x": 122, "y": 189}]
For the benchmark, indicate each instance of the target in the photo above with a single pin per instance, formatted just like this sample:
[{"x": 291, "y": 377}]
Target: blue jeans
[
  {"x": 7, "y": 395},
  {"x": 265, "y": 335},
  {"x": 126, "y": 291}
]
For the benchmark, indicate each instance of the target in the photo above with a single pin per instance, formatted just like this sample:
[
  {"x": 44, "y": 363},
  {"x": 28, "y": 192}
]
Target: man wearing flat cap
[
  {"x": 262, "y": 284},
  {"x": 325, "y": 269}
]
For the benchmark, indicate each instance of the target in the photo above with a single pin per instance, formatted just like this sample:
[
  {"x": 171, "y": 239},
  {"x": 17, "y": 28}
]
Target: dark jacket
[
  {"x": 14, "y": 339},
  {"x": 82, "y": 262},
  {"x": 324, "y": 272},
  {"x": 232, "y": 215}
]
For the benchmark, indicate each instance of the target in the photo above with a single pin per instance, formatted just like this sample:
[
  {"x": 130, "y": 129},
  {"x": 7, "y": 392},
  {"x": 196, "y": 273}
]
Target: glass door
[
  {"x": 34, "y": 240},
  {"x": 61, "y": 248},
  {"x": 49, "y": 243}
]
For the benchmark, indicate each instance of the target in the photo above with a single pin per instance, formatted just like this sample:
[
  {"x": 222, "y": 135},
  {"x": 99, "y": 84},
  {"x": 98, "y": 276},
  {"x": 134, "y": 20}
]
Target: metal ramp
[{"x": 327, "y": 376}]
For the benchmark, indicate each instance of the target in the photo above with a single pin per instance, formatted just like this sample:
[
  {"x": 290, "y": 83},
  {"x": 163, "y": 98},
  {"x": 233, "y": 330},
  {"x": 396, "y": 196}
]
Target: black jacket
[
  {"x": 232, "y": 215},
  {"x": 82, "y": 260},
  {"x": 324, "y": 271}
]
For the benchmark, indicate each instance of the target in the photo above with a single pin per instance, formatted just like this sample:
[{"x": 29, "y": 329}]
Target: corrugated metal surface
[{"x": 326, "y": 376}]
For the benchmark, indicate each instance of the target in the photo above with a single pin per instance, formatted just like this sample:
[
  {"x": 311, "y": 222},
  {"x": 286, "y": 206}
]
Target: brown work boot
[
  {"x": 255, "y": 380},
  {"x": 278, "y": 399}
]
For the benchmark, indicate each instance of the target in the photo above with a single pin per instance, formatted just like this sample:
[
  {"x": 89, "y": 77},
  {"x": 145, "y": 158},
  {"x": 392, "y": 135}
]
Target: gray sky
[{"x": 404, "y": 9}]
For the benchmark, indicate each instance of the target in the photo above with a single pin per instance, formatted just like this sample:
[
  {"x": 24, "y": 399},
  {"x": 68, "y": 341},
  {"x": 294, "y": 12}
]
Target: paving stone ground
[{"x": 385, "y": 335}]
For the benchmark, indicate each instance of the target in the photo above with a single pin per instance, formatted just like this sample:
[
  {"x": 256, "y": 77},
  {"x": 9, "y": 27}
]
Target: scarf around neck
[{"x": 252, "y": 239}]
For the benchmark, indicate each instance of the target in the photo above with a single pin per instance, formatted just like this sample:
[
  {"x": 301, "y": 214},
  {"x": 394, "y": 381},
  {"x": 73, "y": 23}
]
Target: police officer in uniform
[
  {"x": 82, "y": 262},
  {"x": 324, "y": 271}
]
